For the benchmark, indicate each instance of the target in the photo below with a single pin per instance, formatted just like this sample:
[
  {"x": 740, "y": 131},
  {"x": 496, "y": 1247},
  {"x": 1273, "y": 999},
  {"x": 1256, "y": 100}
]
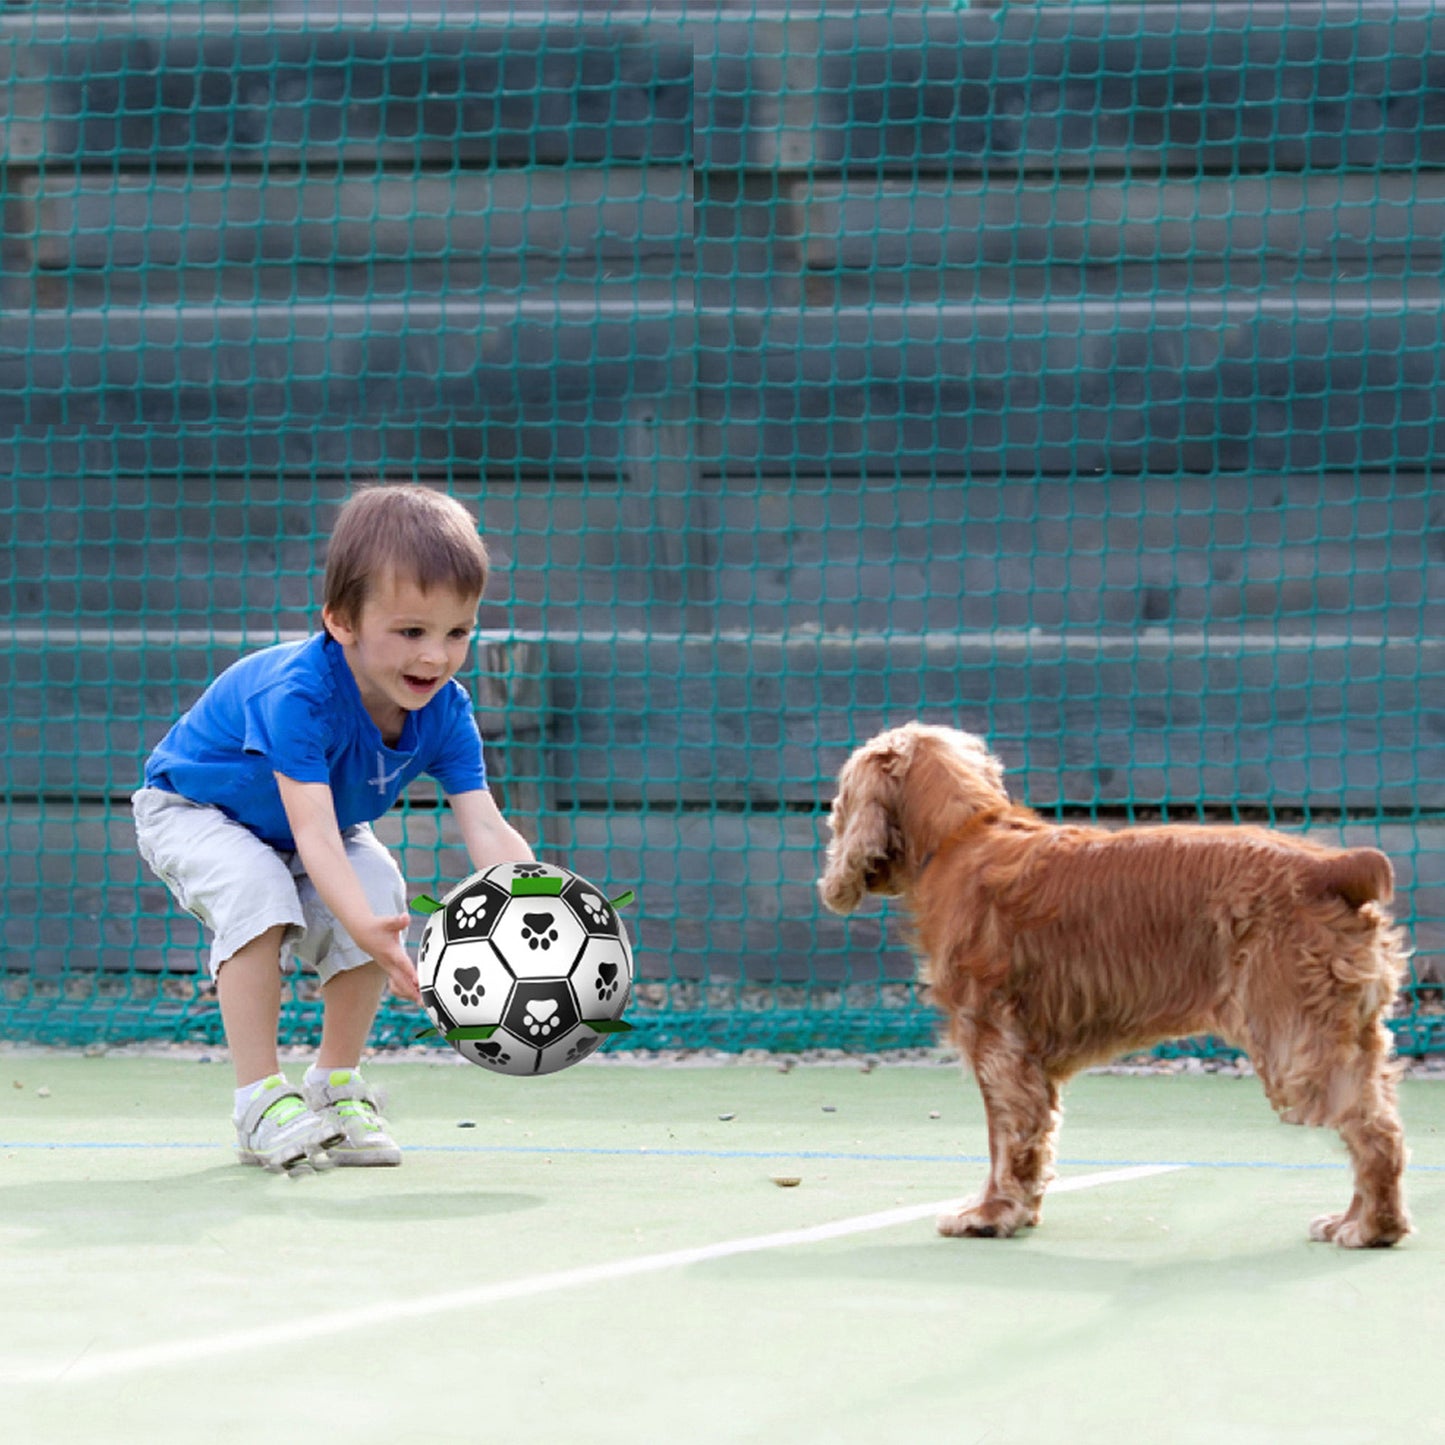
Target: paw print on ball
[
  {"x": 541, "y": 1019},
  {"x": 591, "y": 909},
  {"x": 474, "y": 911},
  {"x": 582, "y": 1047},
  {"x": 607, "y": 976},
  {"x": 471, "y": 913},
  {"x": 440, "y": 1012},
  {"x": 468, "y": 984},
  {"x": 539, "y": 930}
]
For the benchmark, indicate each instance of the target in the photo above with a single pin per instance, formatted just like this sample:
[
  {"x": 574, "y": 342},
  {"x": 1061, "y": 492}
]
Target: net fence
[{"x": 1069, "y": 374}]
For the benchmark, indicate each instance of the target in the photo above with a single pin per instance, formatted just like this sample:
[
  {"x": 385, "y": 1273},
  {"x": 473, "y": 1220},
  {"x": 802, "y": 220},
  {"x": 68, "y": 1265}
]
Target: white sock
[
  {"x": 316, "y": 1075},
  {"x": 247, "y": 1092}
]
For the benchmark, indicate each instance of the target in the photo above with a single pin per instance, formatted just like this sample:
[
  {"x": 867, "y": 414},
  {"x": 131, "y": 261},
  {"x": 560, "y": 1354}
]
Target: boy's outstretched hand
[{"x": 383, "y": 938}]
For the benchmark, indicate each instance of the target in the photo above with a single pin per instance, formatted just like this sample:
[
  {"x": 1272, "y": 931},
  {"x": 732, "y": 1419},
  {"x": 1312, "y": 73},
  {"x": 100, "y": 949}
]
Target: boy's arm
[
  {"x": 311, "y": 811},
  {"x": 489, "y": 838}
]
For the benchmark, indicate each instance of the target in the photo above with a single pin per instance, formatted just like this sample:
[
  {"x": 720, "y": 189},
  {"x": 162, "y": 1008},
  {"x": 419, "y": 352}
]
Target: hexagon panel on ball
[
  {"x": 429, "y": 953},
  {"x": 570, "y": 1049},
  {"x": 437, "y": 1011},
  {"x": 538, "y": 937},
  {"x": 602, "y": 978},
  {"x": 472, "y": 910},
  {"x": 472, "y": 984},
  {"x": 500, "y": 1053},
  {"x": 592, "y": 910}
]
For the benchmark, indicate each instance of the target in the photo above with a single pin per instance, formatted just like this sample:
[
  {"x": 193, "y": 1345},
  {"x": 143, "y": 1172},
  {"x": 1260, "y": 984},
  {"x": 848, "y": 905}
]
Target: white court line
[{"x": 390, "y": 1312}]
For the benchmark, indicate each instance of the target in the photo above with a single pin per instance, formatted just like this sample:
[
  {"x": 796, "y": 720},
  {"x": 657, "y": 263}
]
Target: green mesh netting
[{"x": 1069, "y": 374}]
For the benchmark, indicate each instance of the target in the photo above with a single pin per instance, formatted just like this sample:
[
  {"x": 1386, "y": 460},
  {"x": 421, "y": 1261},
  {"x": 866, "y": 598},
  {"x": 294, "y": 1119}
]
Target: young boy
[{"x": 257, "y": 808}]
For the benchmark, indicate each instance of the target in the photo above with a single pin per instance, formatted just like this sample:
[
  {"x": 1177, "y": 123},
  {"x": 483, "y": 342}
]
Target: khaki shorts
[{"x": 238, "y": 886}]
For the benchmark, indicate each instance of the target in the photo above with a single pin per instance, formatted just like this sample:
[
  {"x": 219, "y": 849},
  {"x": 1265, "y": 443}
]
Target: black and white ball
[{"x": 525, "y": 968}]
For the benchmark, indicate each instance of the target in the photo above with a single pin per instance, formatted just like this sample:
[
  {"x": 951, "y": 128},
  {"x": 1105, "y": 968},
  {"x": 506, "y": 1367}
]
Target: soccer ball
[{"x": 525, "y": 968}]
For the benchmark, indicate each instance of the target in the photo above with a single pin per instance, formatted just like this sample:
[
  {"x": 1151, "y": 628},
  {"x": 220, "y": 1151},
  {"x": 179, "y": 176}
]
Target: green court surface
[{"x": 606, "y": 1255}]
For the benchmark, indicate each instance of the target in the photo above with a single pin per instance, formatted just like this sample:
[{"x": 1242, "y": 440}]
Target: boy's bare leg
[
  {"x": 350, "y": 1000},
  {"x": 249, "y": 988},
  {"x": 334, "y": 1087},
  {"x": 274, "y": 1128}
]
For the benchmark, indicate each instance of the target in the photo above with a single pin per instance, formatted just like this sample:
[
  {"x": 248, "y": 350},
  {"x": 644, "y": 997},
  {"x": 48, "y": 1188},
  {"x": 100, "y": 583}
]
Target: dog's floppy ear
[
  {"x": 1358, "y": 875},
  {"x": 865, "y": 838}
]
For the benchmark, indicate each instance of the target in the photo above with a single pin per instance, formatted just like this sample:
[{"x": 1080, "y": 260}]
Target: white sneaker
[
  {"x": 279, "y": 1132},
  {"x": 342, "y": 1098}
]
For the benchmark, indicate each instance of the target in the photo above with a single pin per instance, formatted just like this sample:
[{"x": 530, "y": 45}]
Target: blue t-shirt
[{"x": 294, "y": 709}]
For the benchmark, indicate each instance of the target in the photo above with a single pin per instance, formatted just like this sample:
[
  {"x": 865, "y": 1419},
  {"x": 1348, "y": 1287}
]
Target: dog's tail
[{"x": 1358, "y": 875}]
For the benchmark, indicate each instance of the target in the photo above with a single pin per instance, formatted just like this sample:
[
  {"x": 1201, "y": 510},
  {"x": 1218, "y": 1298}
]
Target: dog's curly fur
[{"x": 1053, "y": 948}]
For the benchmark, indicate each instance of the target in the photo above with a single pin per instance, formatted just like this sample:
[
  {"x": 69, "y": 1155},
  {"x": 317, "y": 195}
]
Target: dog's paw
[
  {"x": 988, "y": 1219},
  {"x": 1353, "y": 1233}
]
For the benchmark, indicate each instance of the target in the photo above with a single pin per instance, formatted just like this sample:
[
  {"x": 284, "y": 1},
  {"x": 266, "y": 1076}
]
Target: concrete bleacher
[{"x": 1068, "y": 372}]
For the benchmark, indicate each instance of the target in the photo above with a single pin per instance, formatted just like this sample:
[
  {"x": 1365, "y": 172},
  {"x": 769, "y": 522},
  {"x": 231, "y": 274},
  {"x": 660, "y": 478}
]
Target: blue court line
[{"x": 644, "y": 1151}]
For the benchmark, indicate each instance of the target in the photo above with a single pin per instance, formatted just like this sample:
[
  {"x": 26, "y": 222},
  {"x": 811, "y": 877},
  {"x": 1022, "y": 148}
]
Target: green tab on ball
[{"x": 536, "y": 887}]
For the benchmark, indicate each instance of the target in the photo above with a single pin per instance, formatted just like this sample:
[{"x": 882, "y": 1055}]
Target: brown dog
[{"x": 1054, "y": 948}]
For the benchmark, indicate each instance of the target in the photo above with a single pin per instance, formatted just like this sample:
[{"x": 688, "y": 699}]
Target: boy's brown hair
[{"x": 411, "y": 531}]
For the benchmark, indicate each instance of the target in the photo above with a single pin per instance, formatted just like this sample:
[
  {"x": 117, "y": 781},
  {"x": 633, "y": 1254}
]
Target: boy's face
[{"x": 404, "y": 646}]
